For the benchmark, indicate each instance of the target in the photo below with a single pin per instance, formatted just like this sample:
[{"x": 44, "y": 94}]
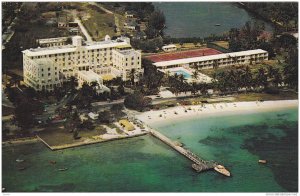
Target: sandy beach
[{"x": 204, "y": 110}]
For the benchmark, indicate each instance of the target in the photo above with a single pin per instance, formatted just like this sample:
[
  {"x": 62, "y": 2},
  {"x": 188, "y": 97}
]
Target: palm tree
[
  {"x": 234, "y": 59},
  {"x": 181, "y": 44},
  {"x": 247, "y": 78},
  {"x": 73, "y": 82},
  {"x": 261, "y": 78},
  {"x": 271, "y": 71},
  {"x": 195, "y": 43},
  {"x": 132, "y": 76},
  {"x": 194, "y": 88},
  {"x": 220, "y": 81},
  {"x": 166, "y": 77},
  {"x": 232, "y": 80},
  {"x": 251, "y": 60},
  {"x": 215, "y": 64},
  {"x": 181, "y": 78},
  {"x": 175, "y": 76},
  {"x": 195, "y": 74},
  {"x": 277, "y": 78}
]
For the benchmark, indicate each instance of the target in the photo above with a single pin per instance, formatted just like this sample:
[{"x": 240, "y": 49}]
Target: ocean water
[
  {"x": 198, "y": 19},
  {"x": 144, "y": 164}
]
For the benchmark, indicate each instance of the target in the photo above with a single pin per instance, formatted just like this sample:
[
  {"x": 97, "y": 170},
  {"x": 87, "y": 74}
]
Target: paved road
[
  {"x": 5, "y": 101},
  {"x": 105, "y": 103},
  {"x": 50, "y": 110},
  {"x": 117, "y": 23},
  {"x": 83, "y": 30},
  {"x": 101, "y": 7}
]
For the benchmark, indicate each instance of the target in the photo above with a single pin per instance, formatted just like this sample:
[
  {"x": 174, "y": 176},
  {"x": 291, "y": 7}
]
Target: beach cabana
[{"x": 127, "y": 125}]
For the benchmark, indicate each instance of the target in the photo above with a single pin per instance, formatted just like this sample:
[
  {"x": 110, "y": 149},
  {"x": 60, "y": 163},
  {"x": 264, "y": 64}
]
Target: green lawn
[
  {"x": 56, "y": 134},
  {"x": 223, "y": 44},
  {"x": 100, "y": 24}
]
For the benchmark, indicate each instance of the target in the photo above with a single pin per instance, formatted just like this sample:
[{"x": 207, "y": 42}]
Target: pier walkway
[{"x": 202, "y": 165}]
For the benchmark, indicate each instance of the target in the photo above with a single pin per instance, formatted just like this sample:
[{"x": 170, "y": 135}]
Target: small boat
[
  {"x": 63, "y": 169},
  {"x": 52, "y": 162},
  {"x": 221, "y": 169},
  {"x": 177, "y": 143},
  {"x": 262, "y": 161},
  {"x": 19, "y": 160},
  {"x": 217, "y": 25},
  {"x": 197, "y": 167},
  {"x": 21, "y": 168}
]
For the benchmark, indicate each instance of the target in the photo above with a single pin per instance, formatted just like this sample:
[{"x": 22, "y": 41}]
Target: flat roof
[
  {"x": 49, "y": 50},
  {"x": 207, "y": 58},
  {"x": 72, "y": 48},
  {"x": 182, "y": 54},
  {"x": 127, "y": 52},
  {"x": 124, "y": 46},
  {"x": 89, "y": 75},
  {"x": 170, "y": 46},
  {"x": 50, "y": 40}
]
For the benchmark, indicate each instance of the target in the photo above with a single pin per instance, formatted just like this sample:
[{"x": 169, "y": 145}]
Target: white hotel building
[
  {"x": 45, "y": 68},
  {"x": 226, "y": 59}
]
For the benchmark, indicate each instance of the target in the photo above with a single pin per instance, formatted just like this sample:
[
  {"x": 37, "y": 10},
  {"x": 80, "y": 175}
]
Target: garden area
[{"x": 99, "y": 23}]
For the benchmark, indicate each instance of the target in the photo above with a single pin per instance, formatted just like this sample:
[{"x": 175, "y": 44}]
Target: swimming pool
[{"x": 182, "y": 72}]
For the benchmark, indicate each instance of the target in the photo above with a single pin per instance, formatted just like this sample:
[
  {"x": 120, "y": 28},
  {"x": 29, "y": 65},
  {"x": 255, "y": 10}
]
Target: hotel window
[{"x": 49, "y": 74}]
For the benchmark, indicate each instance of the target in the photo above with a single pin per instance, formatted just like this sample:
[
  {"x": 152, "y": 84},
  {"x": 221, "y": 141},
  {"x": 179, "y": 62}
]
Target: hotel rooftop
[
  {"x": 209, "y": 58},
  {"x": 72, "y": 48}
]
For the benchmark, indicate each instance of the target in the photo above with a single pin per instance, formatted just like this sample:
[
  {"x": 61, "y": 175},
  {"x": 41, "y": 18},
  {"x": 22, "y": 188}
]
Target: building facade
[
  {"x": 169, "y": 48},
  {"x": 219, "y": 60},
  {"x": 79, "y": 56},
  {"x": 127, "y": 62},
  {"x": 50, "y": 42}
]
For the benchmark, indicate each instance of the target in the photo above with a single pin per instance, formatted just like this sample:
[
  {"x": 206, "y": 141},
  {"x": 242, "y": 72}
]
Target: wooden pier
[
  {"x": 199, "y": 164},
  {"x": 202, "y": 165}
]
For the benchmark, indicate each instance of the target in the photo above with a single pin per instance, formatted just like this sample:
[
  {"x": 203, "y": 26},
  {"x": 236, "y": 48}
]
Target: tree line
[{"x": 284, "y": 13}]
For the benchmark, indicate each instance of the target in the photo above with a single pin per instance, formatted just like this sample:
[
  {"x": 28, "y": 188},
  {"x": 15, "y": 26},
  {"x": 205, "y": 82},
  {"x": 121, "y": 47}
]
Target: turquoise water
[
  {"x": 181, "y": 72},
  {"x": 144, "y": 164},
  {"x": 198, "y": 19}
]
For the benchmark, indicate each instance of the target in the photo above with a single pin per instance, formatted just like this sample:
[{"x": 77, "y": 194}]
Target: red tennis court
[{"x": 182, "y": 54}]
